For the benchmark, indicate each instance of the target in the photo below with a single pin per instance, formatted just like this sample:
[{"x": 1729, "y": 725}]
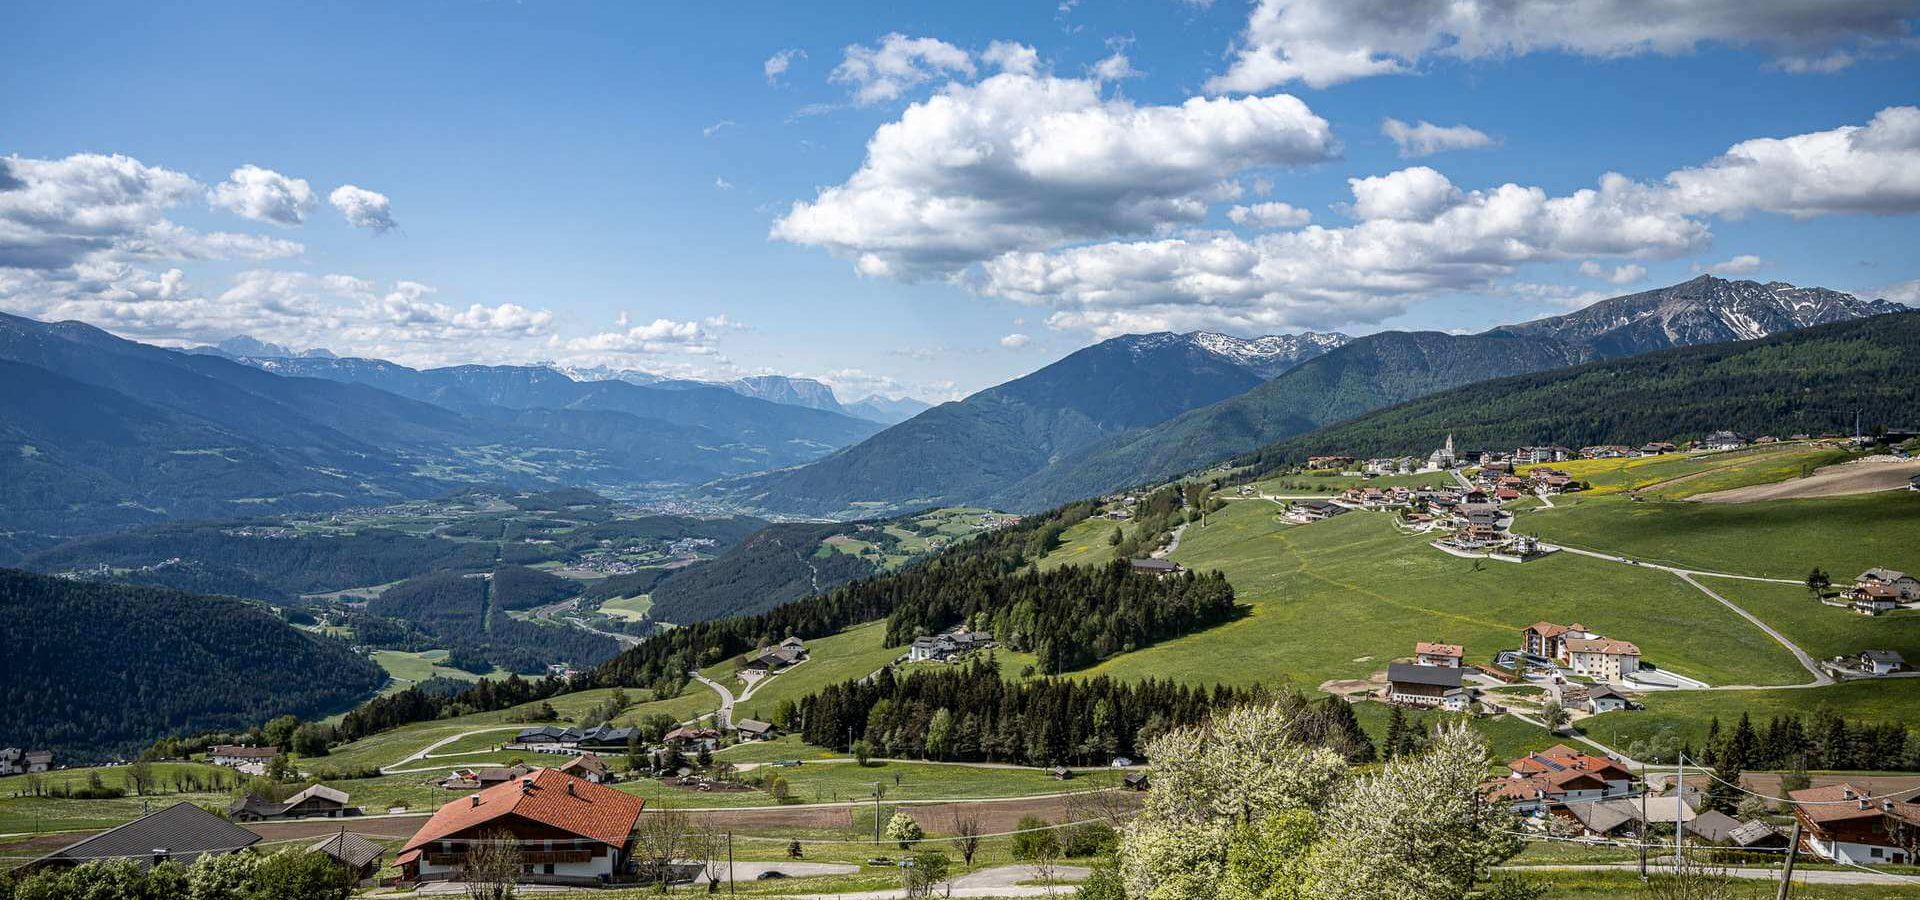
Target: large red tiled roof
[{"x": 589, "y": 810}]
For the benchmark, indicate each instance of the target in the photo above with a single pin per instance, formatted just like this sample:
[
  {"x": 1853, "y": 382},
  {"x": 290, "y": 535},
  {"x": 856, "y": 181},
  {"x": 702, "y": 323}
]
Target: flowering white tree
[
  {"x": 1213, "y": 788},
  {"x": 1420, "y": 829}
]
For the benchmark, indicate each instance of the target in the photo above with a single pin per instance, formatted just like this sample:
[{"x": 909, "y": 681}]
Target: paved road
[
  {"x": 1800, "y": 876},
  {"x": 1000, "y": 881},
  {"x": 1820, "y": 678},
  {"x": 724, "y": 717},
  {"x": 426, "y": 751}
]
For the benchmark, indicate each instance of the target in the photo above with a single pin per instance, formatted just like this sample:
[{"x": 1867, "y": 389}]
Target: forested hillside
[
  {"x": 96, "y": 671},
  {"x": 467, "y": 614},
  {"x": 778, "y": 564},
  {"x": 1808, "y": 381}
]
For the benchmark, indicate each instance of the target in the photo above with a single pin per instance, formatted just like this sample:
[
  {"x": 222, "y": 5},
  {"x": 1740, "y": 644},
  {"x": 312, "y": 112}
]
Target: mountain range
[
  {"x": 98, "y": 432},
  {"x": 789, "y": 391},
  {"x": 969, "y": 449},
  {"x": 948, "y": 457}
]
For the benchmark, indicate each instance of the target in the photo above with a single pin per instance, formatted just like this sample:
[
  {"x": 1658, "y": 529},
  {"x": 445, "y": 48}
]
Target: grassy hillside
[
  {"x": 1810, "y": 381},
  {"x": 1339, "y": 599}
]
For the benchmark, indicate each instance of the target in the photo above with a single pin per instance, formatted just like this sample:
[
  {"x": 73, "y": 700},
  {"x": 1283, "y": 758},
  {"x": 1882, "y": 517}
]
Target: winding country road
[{"x": 724, "y": 716}]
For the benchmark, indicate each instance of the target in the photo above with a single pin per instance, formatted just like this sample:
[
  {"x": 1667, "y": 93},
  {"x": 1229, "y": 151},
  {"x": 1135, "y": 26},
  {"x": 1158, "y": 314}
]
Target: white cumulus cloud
[
  {"x": 1326, "y": 42},
  {"x": 900, "y": 63},
  {"x": 1739, "y": 265},
  {"x": 363, "y": 208},
  {"x": 1626, "y": 273},
  {"x": 1015, "y": 341},
  {"x": 1269, "y": 215},
  {"x": 1023, "y": 162},
  {"x": 264, "y": 195},
  {"x": 1424, "y": 138}
]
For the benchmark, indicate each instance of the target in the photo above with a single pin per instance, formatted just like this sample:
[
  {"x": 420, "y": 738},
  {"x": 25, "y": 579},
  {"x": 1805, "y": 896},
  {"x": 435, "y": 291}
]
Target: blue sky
[{"x": 615, "y": 183}]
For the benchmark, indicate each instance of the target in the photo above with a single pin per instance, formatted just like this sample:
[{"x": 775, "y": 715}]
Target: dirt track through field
[{"x": 1861, "y": 476}]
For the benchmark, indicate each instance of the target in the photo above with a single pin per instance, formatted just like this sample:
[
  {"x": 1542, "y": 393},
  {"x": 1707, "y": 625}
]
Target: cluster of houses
[
  {"x": 1866, "y": 664},
  {"x": 561, "y": 739},
  {"x": 15, "y": 761},
  {"x": 247, "y": 759},
  {"x": 1598, "y": 798},
  {"x": 1880, "y": 590},
  {"x": 955, "y": 645},
  {"x": 183, "y": 833}
]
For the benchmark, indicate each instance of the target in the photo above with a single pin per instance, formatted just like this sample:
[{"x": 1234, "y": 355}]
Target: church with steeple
[{"x": 1443, "y": 458}]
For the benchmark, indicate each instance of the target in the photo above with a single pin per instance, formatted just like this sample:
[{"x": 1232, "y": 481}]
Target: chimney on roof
[
  {"x": 526, "y": 785},
  {"x": 570, "y": 791},
  {"x": 160, "y": 855},
  {"x": 1864, "y": 804},
  {"x": 1887, "y": 804},
  {"x": 1847, "y": 792},
  {"x": 476, "y": 800}
]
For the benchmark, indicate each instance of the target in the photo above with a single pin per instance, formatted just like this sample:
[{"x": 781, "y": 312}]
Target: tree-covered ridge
[
  {"x": 99, "y": 670},
  {"x": 972, "y": 713},
  {"x": 1070, "y": 617},
  {"x": 1812, "y": 381},
  {"x": 778, "y": 564},
  {"x": 467, "y": 614},
  {"x": 246, "y": 561}
]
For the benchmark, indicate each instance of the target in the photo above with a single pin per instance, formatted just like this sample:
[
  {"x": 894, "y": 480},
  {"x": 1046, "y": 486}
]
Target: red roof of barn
[{"x": 588, "y": 809}]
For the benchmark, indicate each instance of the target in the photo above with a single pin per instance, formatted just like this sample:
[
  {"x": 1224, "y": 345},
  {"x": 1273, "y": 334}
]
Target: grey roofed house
[
  {"x": 351, "y": 850},
  {"x": 1152, "y": 564},
  {"x": 1438, "y": 676},
  {"x": 254, "y": 807},
  {"x": 1756, "y": 834},
  {"x": 1604, "y": 817},
  {"x": 608, "y": 736},
  {"x": 548, "y": 734},
  {"x": 1713, "y": 826},
  {"x": 753, "y": 728},
  {"x": 181, "y": 833},
  {"x": 1889, "y": 657}
]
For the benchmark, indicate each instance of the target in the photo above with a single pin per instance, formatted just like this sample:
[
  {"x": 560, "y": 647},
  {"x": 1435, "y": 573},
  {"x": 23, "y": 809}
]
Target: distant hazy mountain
[
  {"x": 97, "y": 432},
  {"x": 790, "y": 391},
  {"x": 1391, "y": 367},
  {"x": 887, "y": 410},
  {"x": 245, "y": 345},
  {"x": 961, "y": 451}
]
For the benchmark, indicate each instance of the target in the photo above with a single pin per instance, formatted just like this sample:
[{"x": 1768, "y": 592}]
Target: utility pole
[
  {"x": 730, "y": 879},
  {"x": 878, "y": 789},
  {"x": 1646, "y": 831},
  {"x": 1679, "y": 801},
  {"x": 1786, "y": 872}
]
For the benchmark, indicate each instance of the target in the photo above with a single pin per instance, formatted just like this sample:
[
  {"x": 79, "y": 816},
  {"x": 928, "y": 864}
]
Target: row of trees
[
  {"x": 972, "y": 713},
  {"x": 286, "y": 875},
  {"x": 1070, "y": 617},
  {"x": 1827, "y": 742}
]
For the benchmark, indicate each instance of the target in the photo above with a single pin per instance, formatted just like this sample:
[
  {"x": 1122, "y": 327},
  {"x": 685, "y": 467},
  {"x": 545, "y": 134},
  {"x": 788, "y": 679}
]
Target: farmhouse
[
  {"x": 1606, "y": 451},
  {"x": 569, "y": 830},
  {"x": 1562, "y": 758},
  {"x": 773, "y": 659},
  {"x": 947, "y": 647},
  {"x": 246, "y": 758},
  {"x": 589, "y": 767},
  {"x": 755, "y": 730},
  {"x": 1155, "y": 566},
  {"x": 1329, "y": 462},
  {"x": 1882, "y": 662},
  {"x": 608, "y": 737},
  {"x": 317, "y": 801},
  {"x": 1723, "y": 440},
  {"x": 1757, "y": 835},
  {"x": 1846, "y": 825},
  {"x": 1905, "y": 588},
  {"x": 549, "y": 739},
  {"x": 180, "y": 833},
  {"x": 1873, "y": 599},
  {"x": 1549, "y": 641},
  {"x": 685, "y": 739},
  {"x": 1602, "y": 658},
  {"x": 1431, "y": 654},
  {"x": 14, "y": 761},
  {"x": 1656, "y": 448},
  {"x": 354, "y": 854},
  {"x": 1427, "y": 686}
]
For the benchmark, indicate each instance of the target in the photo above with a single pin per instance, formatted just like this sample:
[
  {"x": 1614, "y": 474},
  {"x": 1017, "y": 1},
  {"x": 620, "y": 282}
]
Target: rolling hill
[
  {"x": 1391, "y": 367},
  {"x": 205, "y": 663},
  {"x": 961, "y": 451}
]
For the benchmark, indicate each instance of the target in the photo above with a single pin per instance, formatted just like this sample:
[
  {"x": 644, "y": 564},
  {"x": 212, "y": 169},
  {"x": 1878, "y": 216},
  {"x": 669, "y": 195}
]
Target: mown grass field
[
  {"x": 409, "y": 669},
  {"x": 1334, "y": 482},
  {"x": 853, "y": 653},
  {"x": 22, "y": 813},
  {"x": 1821, "y": 630},
  {"x": 634, "y": 608},
  {"x": 1702, "y": 473},
  {"x": 1341, "y": 598},
  {"x": 1087, "y": 543},
  {"x": 1774, "y": 538}
]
